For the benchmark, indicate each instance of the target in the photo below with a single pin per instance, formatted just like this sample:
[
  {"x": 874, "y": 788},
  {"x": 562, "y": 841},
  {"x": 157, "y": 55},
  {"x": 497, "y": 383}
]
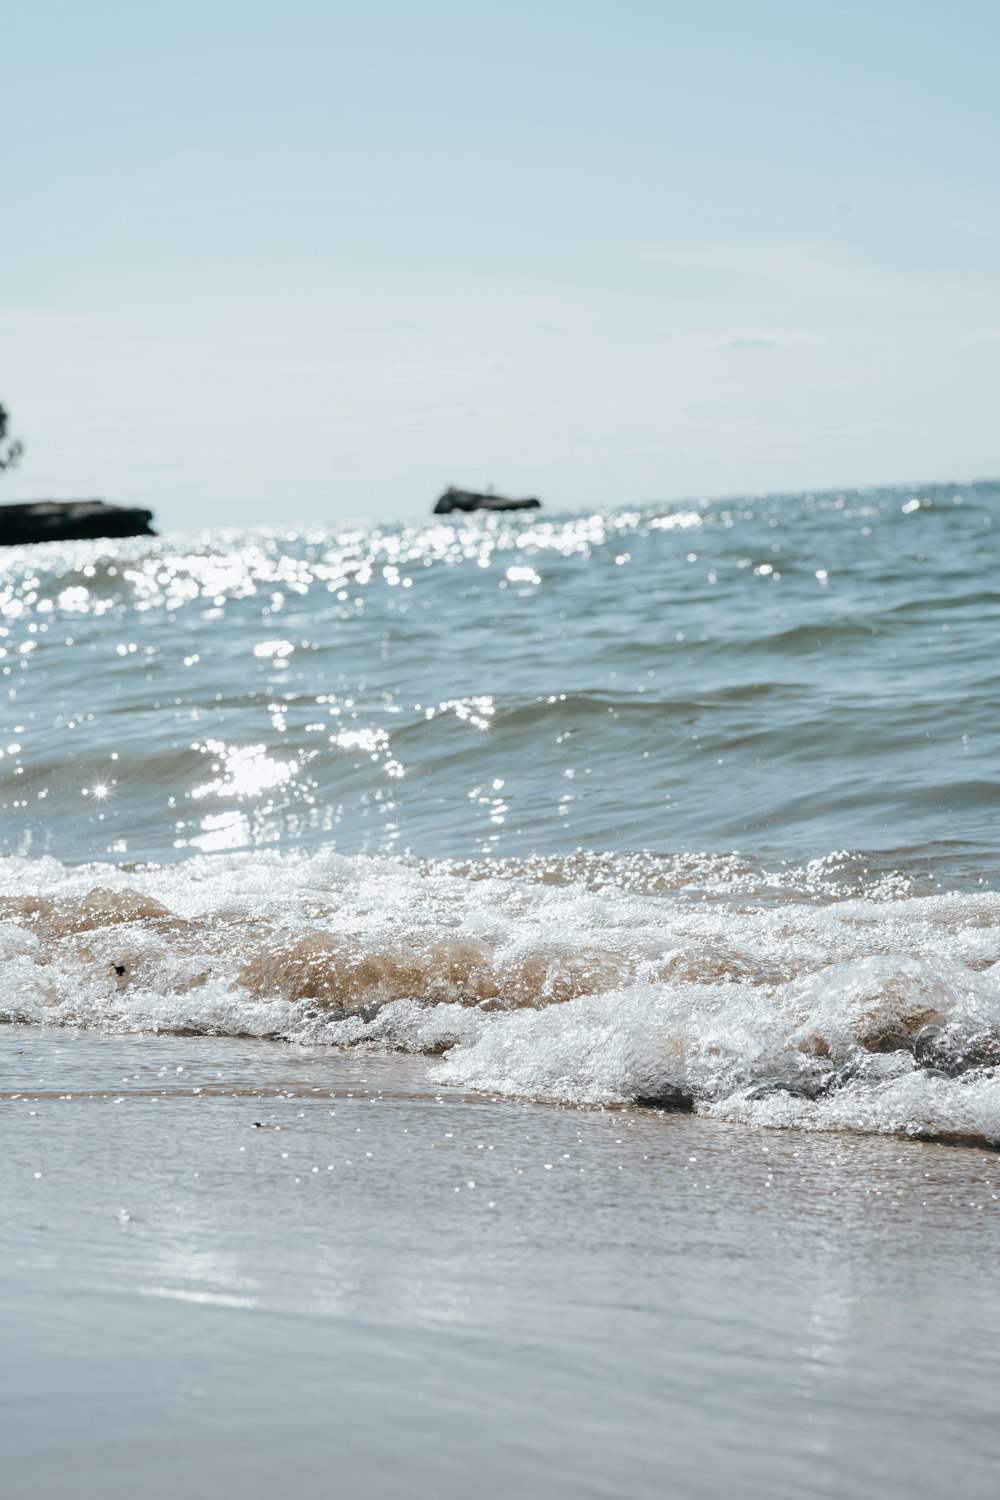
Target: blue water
[
  {"x": 784, "y": 677},
  {"x": 695, "y": 805}
]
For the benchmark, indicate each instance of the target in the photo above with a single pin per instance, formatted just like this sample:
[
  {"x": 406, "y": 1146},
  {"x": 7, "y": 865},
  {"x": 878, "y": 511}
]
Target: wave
[{"x": 692, "y": 982}]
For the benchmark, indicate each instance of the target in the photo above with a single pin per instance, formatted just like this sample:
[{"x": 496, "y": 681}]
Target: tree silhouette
[{"x": 14, "y": 449}]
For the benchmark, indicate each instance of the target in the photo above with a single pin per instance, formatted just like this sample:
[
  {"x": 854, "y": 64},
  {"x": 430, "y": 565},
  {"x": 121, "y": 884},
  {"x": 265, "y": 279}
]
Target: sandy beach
[{"x": 240, "y": 1267}]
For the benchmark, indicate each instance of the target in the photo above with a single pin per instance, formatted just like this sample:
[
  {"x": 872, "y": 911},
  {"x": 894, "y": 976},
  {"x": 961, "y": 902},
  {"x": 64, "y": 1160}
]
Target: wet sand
[{"x": 232, "y": 1267}]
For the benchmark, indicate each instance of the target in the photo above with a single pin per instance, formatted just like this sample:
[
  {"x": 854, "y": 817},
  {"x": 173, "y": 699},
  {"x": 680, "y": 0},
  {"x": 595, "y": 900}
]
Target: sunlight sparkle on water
[{"x": 243, "y": 770}]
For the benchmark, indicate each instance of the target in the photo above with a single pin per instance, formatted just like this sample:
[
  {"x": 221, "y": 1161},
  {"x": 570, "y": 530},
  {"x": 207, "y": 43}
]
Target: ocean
[{"x": 604, "y": 908}]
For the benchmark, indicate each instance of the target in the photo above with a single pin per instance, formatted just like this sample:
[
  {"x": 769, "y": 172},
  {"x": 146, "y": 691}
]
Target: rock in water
[
  {"x": 70, "y": 520},
  {"x": 453, "y": 500}
]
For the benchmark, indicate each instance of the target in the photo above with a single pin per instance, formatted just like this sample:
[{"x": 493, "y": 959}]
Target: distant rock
[
  {"x": 70, "y": 521},
  {"x": 453, "y": 500}
]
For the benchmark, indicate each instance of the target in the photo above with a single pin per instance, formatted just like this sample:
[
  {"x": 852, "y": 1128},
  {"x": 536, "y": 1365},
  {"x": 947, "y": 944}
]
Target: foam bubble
[{"x": 865, "y": 1013}]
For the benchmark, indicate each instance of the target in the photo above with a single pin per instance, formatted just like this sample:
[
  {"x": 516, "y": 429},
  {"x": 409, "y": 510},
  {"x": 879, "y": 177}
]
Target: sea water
[
  {"x": 509, "y": 1000},
  {"x": 695, "y": 805}
]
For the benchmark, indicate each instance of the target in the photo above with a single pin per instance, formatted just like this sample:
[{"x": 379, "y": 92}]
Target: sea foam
[{"x": 769, "y": 1004}]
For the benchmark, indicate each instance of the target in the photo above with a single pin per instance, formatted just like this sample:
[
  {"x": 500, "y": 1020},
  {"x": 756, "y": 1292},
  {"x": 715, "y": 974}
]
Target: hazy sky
[{"x": 311, "y": 261}]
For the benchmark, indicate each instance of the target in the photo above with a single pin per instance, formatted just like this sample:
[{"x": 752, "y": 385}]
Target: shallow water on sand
[{"x": 235, "y": 1266}]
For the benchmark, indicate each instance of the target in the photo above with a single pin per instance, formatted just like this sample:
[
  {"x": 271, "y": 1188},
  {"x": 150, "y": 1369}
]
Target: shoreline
[{"x": 622, "y": 1301}]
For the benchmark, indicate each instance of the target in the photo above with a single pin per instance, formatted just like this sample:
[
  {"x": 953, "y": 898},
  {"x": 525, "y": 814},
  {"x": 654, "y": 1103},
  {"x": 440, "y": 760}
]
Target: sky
[{"x": 311, "y": 262}]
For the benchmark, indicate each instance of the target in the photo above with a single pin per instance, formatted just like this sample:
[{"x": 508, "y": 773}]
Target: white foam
[{"x": 867, "y": 1014}]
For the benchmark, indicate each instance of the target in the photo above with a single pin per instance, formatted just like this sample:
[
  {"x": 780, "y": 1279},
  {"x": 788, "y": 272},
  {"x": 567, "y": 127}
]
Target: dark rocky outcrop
[
  {"x": 453, "y": 500},
  {"x": 70, "y": 520}
]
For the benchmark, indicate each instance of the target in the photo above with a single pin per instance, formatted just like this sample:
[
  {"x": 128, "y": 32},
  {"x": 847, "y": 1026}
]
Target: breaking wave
[{"x": 810, "y": 999}]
